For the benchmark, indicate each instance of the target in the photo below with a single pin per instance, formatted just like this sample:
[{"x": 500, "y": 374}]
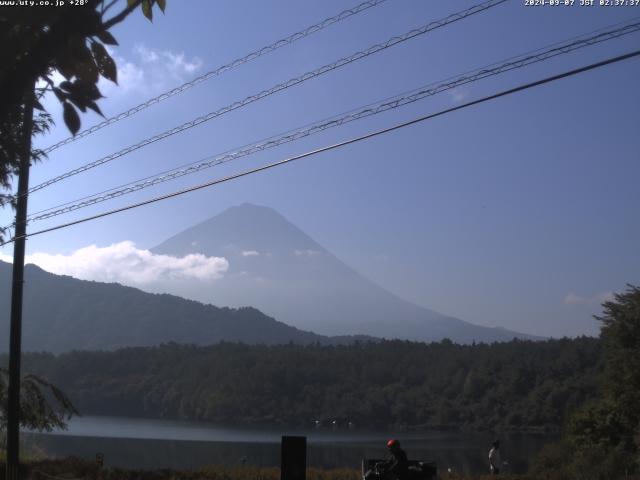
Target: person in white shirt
[{"x": 494, "y": 458}]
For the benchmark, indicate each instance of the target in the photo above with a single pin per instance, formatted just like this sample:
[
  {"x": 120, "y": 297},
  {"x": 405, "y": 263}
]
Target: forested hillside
[
  {"x": 512, "y": 385},
  {"x": 62, "y": 313}
]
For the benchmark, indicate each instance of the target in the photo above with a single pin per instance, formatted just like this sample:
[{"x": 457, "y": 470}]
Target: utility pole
[{"x": 15, "y": 335}]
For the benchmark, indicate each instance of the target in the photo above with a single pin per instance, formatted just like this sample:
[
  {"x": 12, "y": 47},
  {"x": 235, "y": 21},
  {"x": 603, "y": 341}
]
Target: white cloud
[
  {"x": 171, "y": 62},
  {"x": 131, "y": 78},
  {"x": 146, "y": 71},
  {"x": 250, "y": 253},
  {"x": 305, "y": 253},
  {"x": 123, "y": 262},
  {"x": 573, "y": 299},
  {"x": 150, "y": 70},
  {"x": 458, "y": 95},
  {"x": 597, "y": 298}
]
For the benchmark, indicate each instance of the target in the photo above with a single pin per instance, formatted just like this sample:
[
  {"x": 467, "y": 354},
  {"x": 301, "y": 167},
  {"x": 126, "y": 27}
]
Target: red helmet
[{"x": 393, "y": 443}]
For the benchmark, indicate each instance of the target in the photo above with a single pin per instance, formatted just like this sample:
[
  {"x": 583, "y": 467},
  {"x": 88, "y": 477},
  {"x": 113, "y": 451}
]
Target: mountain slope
[
  {"x": 279, "y": 269},
  {"x": 62, "y": 313}
]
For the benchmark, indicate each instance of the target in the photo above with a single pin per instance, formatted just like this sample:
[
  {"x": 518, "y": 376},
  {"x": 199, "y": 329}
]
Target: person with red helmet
[{"x": 397, "y": 467}]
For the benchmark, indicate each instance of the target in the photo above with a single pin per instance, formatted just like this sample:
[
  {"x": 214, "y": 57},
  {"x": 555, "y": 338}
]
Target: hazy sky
[{"x": 522, "y": 212}]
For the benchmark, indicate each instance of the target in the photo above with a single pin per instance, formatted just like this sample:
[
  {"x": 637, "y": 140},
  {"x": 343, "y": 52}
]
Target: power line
[
  {"x": 337, "y": 145},
  {"x": 218, "y": 71},
  {"x": 282, "y": 86},
  {"x": 372, "y": 109}
]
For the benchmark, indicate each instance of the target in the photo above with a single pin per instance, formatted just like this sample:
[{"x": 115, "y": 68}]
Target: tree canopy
[
  {"x": 43, "y": 406},
  {"x": 40, "y": 40},
  {"x": 514, "y": 385},
  {"x": 37, "y": 41},
  {"x": 602, "y": 440}
]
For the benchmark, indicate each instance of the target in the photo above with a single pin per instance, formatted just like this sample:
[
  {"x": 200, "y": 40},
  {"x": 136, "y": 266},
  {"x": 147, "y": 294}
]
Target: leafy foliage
[
  {"x": 621, "y": 335},
  {"x": 43, "y": 406},
  {"x": 71, "y": 41},
  {"x": 602, "y": 440},
  {"x": 36, "y": 42},
  {"x": 11, "y": 137},
  {"x": 513, "y": 385}
]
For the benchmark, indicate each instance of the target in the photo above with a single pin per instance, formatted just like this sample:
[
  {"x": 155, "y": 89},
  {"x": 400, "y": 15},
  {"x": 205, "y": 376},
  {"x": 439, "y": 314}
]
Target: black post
[
  {"x": 293, "y": 458},
  {"x": 15, "y": 335}
]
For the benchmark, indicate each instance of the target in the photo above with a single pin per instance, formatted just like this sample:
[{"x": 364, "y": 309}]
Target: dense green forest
[{"x": 513, "y": 385}]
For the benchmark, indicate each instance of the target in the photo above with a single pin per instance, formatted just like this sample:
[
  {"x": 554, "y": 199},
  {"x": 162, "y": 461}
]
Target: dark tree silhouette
[{"x": 38, "y": 41}]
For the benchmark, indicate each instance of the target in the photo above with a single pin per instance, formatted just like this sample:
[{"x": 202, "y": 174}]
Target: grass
[{"x": 75, "y": 468}]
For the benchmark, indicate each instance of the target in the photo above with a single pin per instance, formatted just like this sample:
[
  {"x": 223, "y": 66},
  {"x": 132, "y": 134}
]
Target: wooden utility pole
[{"x": 15, "y": 335}]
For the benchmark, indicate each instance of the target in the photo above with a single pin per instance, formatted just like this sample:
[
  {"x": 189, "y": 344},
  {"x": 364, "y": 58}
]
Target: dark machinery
[{"x": 372, "y": 470}]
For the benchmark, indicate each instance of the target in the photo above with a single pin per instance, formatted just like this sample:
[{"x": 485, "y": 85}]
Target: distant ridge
[
  {"x": 62, "y": 313},
  {"x": 276, "y": 267},
  {"x": 273, "y": 266}
]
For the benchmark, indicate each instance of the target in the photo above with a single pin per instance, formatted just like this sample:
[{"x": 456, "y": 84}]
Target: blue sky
[{"x": 521, "y": 212}]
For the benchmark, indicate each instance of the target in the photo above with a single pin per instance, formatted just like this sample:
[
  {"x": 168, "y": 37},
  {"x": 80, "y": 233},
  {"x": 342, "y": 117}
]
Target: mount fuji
[{"x": 275, "y": 267}]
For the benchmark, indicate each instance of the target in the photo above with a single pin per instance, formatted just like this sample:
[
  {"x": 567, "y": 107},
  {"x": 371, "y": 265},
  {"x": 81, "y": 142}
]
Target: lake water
[{"x": 146, "y": 443}]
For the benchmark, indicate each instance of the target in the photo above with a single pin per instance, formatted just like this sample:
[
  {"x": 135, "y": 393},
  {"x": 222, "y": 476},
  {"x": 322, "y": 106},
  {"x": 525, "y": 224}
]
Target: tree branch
[
  {"x": 111, "y": 4},
  {"x": 121, "y": 16}
]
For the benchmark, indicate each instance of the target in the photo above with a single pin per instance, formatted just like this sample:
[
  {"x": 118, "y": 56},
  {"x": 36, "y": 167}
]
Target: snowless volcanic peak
[{"x": 276, "y": 267}]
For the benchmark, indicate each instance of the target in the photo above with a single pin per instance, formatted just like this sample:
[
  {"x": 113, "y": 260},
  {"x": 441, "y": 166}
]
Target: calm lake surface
[{"x": 145, "y": 443}]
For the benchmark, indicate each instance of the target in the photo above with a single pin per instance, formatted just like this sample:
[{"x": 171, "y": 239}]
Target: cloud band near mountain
[{"x": 123, "y": 262}]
